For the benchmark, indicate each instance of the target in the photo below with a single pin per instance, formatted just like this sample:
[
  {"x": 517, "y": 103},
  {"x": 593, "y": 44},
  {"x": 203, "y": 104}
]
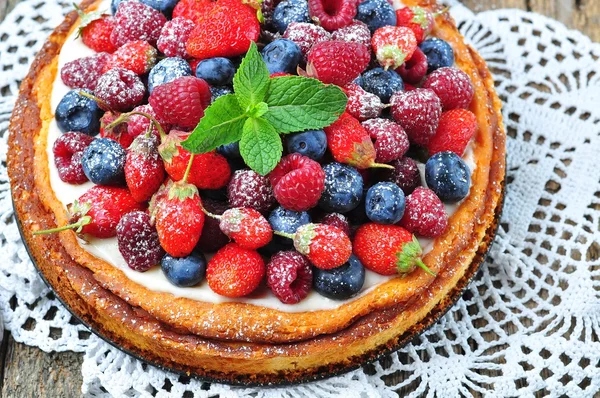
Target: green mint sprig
[{"x": 260, "y": 109}]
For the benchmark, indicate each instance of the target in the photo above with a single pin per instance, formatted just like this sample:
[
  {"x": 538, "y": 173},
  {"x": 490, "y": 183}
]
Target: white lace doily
[{"x": 529, "y": 322}]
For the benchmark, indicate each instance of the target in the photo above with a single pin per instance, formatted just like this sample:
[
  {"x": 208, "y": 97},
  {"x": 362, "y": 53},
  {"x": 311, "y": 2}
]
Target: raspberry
[
  {"x": 418, "y": 112},
  {"x": 452, "y": 86},
  {"x": 289, "y": 275},
  {"x": 136, "y": 21},
  {"x": 356, "y": 32},
  {"x": 333, "y": 14},
  {"x": 120, "y": 89},
  {"x": 424, "y": 214},
  {"x": 84, "y": 72},
  {"x": 325, "y": 246},
  {"x": 247, "y": 227},
  {"x": 138, "y": 241},
  {"x": 182, "y": 101},
  {"x": 247, "y": 188},
  {"x": 405, "y": 174},
  {"x": 306, "y": 35},
  {"x": 68, "y": 151},
  {"x": 96, "y": 34},
  {"x": 337, "y": 220},
  {"x": 234, "y": 271},
  {"x": 362, "y": 104},
  {"x": 173, "y": 37},
  {"x": 393, "y": 45},
  {"x": 138, "y": 124},
  {"x": 298, "y": 182},
  {"x": 137, "y": 56},
  {"x": 415, "y": 69},
  {"x": 389, "y": 138},
  {"x": 455, "y": 130},
  {"x": 409, "y": 87},
  {"x": 337, "y": 62},
  {"x": 212, "y": 238}
]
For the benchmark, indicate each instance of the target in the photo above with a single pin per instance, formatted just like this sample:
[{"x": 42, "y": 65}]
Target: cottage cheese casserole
[{"x": 256, "y": 337}]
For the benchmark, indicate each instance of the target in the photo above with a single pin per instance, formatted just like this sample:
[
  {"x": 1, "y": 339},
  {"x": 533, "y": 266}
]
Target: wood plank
[
  {"x": 478, "y": 5},
  {"x": 7, "y": 6}
]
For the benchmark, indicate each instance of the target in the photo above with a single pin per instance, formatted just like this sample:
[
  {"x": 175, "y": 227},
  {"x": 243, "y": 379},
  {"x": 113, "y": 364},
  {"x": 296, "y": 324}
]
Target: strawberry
[
  {"x": 325, "y": 246},
  {"x": 224, "y": 29},
  {"x": 454, "y": 131},
  {"x": 337, "y": 62},
  {"x": 417, "y": 19},
  {"x": 234, "y": 271},
  {"x": 116, "y": 132},
  {"x": 388, "y": 249},
  {"x": 137, "y": 56},
  {"x": 332, "y": 14},
  {"x": 144, "y": 169},
  {"x": 191, "y": 9},
  {"x": 350, "y": 143},
  {"x": 177, "y": 211},
  {"x": 247, "y": 227},
  {"x": 95, "y": 30},
  {"x": 393, "y": 45},
  {"x": 98, "y": 211}
]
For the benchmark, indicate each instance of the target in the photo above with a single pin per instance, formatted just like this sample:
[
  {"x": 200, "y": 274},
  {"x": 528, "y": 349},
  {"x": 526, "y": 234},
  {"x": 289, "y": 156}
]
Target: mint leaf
[
  {"x": 299, "y": 103},
  {"x": 221, "y": 124},
  {"x": 260, "y": 146},
  {"x": 251, "y": 80}
]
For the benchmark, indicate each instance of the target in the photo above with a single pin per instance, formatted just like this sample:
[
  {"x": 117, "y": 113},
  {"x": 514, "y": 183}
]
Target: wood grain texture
[{"x": 29, "y": 372}]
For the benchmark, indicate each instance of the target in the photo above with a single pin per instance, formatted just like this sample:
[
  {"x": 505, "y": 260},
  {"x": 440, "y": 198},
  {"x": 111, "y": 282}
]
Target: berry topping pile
[{"x": 292, "y": 143}]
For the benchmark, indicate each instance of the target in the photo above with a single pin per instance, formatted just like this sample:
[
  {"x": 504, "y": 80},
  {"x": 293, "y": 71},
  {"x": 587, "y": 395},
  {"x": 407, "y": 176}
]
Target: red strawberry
[
  {"x": 191, "y": 9},
  {"x": 390, "y": 140},
  {"x": 337, "y": 62},
  {"x": 325, "y": 246},
  {"x": 452, "y": 86},
  {"x": 84, "y": 72},
  {"x": 332, "y": 14},
  {"x": 224, "y": 29},
  {"x": 388, "y": 249},
  {"x": 247, "y": 227},
  {"x": 356, "y": 32},
  {"x": 117, "y": 132},
  {"x": 144, "y": 169},
  {"x": 181, "y": 102},
  {"x": 173, "y": 37},
  {"x": 417, "y": 19},
  {"x": 455, "y": 130},
  {"x": 98, "y": 211},
  {"x": 139, "y": 124},
  {"x": 289, "y": 275},
  {"x": 234, "y": 271},
  {"x": 68, "y": 151},
  {"x": 136, "y": 21},
  {"x": 137, "y": 56},
  {"x": 362, "y": 104},
  {"x": 393, "y": 45},
  {"x": 179, "y": 218},
  {"x": 350, "y": 143},
  {"x": 95, "y": 30},
  {"x": 425, "y": 214},
  {"x": 418, "y": 112},
  {"x": 298, "y": 182}
]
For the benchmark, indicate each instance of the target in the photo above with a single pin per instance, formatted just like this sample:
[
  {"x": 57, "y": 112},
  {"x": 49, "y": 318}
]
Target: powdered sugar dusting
[{"x": 390, "y": 140}]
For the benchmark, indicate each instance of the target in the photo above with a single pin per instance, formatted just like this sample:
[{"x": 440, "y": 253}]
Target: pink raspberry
[
  {"x": 356, "y": 32},
  {"x": 138, "y": 124},
  {"x": 173, "y": 36},
  {"x": 405, "y": 174},
  {"x": 415, "y": 69},
  {"x": 425, "y": 214},
  {"x": 84, "y": 72},
  {"x": 136, "y": 21},
  {"x": 289, "y": 275},
  {"x": 306, "y": 35},
  {"x": 298, "y": 182},
  {"x": 418, "y": 112},
  {"x": 337, "y": 62},
  {"x": 333, "y": 15},
  {"x": 390, "y": 140},
  {"x": 452, "y": 86},
  {"x": 68, "y": 151},
  {"x": 120, "y": 89},
  {"x": 337, "y": 220},
  {"x": 362, "y": 104},
  {"x": 247, "y": 188},
  {"x": 212, "y": 238}
]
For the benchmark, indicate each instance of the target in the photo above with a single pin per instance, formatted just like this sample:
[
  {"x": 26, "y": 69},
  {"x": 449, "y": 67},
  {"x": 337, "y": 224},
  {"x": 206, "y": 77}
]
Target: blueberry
[
  {"x": 342, "y": 282},
  {"x": 184, "y": 271},
  {"x": 448, "y": 176},
  {"x": 168, "y": 70},
  {"x": 383, "y": 83},
  {"x": 311, "y": 143},
  {"x": 287, "y": 221},
  {"x": 217, "y": 92},
  {"x": 164, "y": 6},
  {"x": 217, "y": 71},
  {"x": 438, "y": 52},
  {"x": 376, "y": 14},
  {"x": 343, "y": 188},
  {"x": 230, "y": 151},
  {"x": 282, "y": 55},
  {"x": 385, "y": 203},
  {"x": 103, "y": 162},
  {"x": 289, "y": 11},
  {"x": 78, "y": 113}
]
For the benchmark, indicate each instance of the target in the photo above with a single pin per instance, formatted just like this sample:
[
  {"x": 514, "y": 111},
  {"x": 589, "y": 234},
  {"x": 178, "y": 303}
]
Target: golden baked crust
[{"x": 240, "y": 342}]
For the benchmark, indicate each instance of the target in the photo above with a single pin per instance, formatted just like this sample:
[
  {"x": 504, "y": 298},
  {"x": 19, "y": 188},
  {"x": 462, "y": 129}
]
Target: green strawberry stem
[
  {"x": 187, "y": 169},
  {"x": 284, "y": 234},
  {"x": 93, "y": 97},
  {"x": 382, "y": 166},
  {"x": 410, "y": 256},
  {"x": 124, "y": 117},
  {"x": 421, "y": 264},
  {"x": 83, "y": 221},
  {"x": 211, "y": 215}
]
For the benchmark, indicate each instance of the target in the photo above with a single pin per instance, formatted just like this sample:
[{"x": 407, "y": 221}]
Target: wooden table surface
[{"x": 29, "y": 372}]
